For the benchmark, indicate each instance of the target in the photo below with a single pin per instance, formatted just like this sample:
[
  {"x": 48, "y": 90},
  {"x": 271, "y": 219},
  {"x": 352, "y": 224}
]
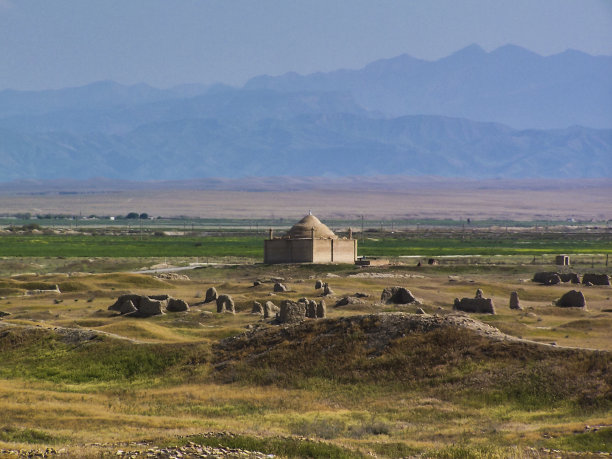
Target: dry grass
[{"x": 417, "y": 397}]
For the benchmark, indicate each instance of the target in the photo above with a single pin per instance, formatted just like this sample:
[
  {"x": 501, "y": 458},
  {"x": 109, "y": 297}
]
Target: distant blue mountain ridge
[{"x": 508, "y": 113}]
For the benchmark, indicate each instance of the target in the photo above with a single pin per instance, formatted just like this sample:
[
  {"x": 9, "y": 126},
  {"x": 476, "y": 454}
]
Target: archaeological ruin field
[{"x": 372, "y": 378}]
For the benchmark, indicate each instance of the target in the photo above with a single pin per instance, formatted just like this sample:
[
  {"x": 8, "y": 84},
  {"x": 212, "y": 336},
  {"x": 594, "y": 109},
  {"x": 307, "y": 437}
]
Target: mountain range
[{"x": 508, "y": 113}]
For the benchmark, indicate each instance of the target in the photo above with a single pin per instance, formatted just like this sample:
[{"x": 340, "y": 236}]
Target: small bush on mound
[
  {"x": 72, "y": 286},
  {"x": 319, "y": 427}
]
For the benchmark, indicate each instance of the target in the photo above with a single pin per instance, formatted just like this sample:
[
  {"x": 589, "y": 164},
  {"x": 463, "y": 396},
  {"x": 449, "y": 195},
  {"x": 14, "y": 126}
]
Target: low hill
[{"x": 451, "y": 354}]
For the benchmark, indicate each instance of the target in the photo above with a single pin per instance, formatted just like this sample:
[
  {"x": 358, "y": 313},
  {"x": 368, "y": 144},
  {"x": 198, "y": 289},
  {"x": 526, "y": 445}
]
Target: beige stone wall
[
  {"x": 288, "y": 251},
  {"x": 345, "y": 250},
  {"x": 322, "y": 251},
  {"x": 309, "y": 251}
]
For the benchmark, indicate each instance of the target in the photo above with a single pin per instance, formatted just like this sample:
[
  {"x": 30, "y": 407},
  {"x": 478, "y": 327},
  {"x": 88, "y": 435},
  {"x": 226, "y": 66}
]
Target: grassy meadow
[
  {"x": 246, "y": 245},
  {"x": 77, "y": 376}
]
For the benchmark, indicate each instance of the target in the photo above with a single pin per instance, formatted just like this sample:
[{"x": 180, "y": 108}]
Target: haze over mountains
[{"x": 508, "y": 113}]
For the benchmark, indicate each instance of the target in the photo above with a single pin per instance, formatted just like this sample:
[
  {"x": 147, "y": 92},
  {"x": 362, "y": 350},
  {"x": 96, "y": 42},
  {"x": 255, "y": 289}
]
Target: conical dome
[{"x": 303, "y": 229}]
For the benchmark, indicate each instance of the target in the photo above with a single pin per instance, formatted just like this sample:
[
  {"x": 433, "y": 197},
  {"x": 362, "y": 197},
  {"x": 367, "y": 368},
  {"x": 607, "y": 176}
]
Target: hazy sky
[{"x": 60, "y": 43}]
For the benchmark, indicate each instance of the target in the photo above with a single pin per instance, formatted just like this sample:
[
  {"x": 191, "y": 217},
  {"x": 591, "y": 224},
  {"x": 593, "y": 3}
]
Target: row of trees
[{"x": 136, "y": 215}]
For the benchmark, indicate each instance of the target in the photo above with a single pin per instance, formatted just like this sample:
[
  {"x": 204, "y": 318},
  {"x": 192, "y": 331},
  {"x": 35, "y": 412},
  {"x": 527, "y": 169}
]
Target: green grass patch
[
  {"x": 48, "y": 356},
  {"x": 592, "y": 441},
  {"x": 14, "y": 435},
  {"x": 149, "y": 245},
  {"x": 471, "y": 452},
  {"x": 129, "y": 246},
  {"x": 480, "y": 245}
]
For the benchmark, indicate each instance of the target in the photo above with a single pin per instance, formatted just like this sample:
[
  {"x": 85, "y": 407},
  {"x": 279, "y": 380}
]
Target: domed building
[{"x": 310, "y": 241}]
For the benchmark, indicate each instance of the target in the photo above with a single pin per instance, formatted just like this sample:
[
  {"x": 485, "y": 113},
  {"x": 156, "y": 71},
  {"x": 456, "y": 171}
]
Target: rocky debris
[
  {"x": 147, "y": 450},
  {"x": 554, "y": 278},
  {"x": 432, "y": 261},
  {"x": 55, "y": 289},
  {"x": 292, "y": 312},
  {"x": 192, "y": 450},
  {"x": 479, "y": 293},
  {"x": 514, "y": 301},
  {"x": 311, "y": 309},
  {"x": 172, "y": 276},
  {"x": 420, "y": 311},
  {"x": 22, "y": 453},
  {"x": 369, "y": 275},
  {"x": 573, "y": 278},
  {"x": 127, "y": 307},
  {"x": 160, "y": 297},
  {"x": 146, "y": 306},
  {"x": 257, "y": 283},
  {"x": 270, "y": 309},
  {"x": 547, "y": 278},
  {"x": 397, "y": 295},
  {"x": 361, "y": 295},
  {"x": 211, "y": 295},
  {"x": 596, "y": 279},
  {"x": 257, "y": 308},
  {"x": 346, "y": 300},
  {"x": 477, "y": 305},
  {"x": 321, "y": 310},
  {"x": 318, "y": 284},
  {"x": 327, "y": 290},
  {"x": 342, "y": 301},
  {"x": 572, "y": 299},
  {"x": 278, "y": 287},
  {"x": 225, "y": 303},
  {"x": 4, "y": 314},
  {"x": 177, "y": 305}
]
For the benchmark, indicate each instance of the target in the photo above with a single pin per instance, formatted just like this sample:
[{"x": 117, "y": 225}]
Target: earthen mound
[
  {"x": 397, "y": 295},
  {"x": 147, "y": 305},
  {"x": 596, "y": 279},
  {"x": 572, "y": 299}
]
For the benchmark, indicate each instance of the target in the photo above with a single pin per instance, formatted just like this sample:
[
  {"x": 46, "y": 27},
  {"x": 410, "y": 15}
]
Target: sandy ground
[
  {"x": 388, "y": 198},
  {"x": 592, "y": 203}
]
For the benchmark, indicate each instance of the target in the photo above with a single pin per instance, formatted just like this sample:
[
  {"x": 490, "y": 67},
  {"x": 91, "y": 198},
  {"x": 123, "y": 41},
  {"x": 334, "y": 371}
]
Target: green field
[{"x": 252, "y": 247}]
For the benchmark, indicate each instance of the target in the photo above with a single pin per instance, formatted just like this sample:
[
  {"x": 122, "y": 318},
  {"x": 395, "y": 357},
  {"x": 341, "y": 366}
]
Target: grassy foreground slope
[{"x": 361, "y": 382}]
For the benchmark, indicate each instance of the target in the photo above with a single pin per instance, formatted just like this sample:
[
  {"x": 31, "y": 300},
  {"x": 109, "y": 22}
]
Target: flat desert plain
[{"x": 397, "y": 198}]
